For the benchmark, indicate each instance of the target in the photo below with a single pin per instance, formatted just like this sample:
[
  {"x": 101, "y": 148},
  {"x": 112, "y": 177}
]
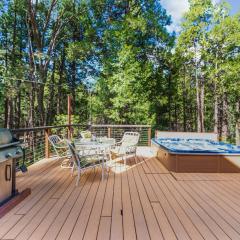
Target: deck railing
[{"x": 36, "y": 144}]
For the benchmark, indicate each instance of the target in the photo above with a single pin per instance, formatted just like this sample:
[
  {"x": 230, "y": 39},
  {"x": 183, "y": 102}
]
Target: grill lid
[
  {"x": 10, "y": 152},
  {"x": 5, "y": 136}
]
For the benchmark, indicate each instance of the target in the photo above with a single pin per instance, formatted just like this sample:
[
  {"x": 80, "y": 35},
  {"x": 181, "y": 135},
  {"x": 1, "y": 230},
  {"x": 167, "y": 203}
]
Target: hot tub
[{"x": 197, "y": 155}]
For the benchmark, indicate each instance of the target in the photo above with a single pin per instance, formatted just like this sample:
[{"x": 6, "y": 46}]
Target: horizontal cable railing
[
  {"x": 36, "y": 144},
  {"x": 117, "y": 131}
]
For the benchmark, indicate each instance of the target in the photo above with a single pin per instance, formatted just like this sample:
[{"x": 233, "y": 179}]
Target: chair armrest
[
  {"x": 61, "y": 144},
  {"x": 91, "y": 155},
  {"x": 129, "y": 148}
]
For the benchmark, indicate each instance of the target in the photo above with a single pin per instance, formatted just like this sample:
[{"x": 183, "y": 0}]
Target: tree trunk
[
  {"x": 6, "y": 112},
  {"x": 51, "y": 102},
  {"x": 238, "y": 123},
  {"x": 61, "y": 72},
  {"x": 225, "y": 117},
  {"x": 184, "y": 97},
  {"x": 216, "y": 114},
  {"x": 200, "y": 103},
  {"x": 31, "y": 107},
  {"x": 169, "y": 101},
  {"x": 202, "y": 96}
]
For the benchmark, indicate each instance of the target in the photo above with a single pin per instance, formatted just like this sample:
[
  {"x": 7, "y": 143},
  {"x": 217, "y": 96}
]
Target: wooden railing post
[
  {"x": 47, "y": 147},
  {"x": 109, "y": 132},
  {"x": 149, "y": 136},
  {"x": 69, "y": 132},
  {"x": 238, "y": 133}
]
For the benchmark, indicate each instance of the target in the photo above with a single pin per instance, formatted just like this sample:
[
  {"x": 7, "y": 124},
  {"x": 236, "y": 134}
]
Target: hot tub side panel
[
  {"x": 230, "y": 164},
  {"x": 167, "y": 159},
  {"x": 197, "y": 163}
]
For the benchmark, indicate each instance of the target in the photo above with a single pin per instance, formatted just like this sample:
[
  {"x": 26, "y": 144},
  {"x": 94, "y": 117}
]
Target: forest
[{"x": 120, "y": 63}]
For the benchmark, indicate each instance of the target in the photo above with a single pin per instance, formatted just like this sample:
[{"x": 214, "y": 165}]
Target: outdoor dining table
[{"x": 98, "y": 145}]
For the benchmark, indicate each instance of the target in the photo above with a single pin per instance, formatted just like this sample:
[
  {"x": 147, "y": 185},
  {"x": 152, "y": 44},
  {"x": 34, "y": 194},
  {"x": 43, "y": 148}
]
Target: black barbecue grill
[{"x": 10, "y": 151}]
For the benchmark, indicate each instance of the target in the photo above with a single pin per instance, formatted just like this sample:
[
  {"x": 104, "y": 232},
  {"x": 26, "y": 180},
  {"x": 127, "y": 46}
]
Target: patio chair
[
  {"x": 127, "y": 146},
  {"x": 86, "y": 134},
  {"x": 83, "y": 161},
  {"x": 61, "y": 149}
]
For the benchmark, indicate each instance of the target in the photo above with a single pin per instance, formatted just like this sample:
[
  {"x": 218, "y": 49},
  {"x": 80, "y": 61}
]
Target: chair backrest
[
  {"x": 59, "y": 145},
  {"x": 86, "y": 134},
  {"x": 54, "y": 139},
  {"x": 74, "y": 154},
  {"x": 130, "y": 139}
]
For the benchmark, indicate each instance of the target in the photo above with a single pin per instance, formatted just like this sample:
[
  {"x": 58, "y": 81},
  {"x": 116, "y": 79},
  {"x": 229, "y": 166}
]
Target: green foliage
[
  {"x": 62, "y": 119},
  {"x": 120, "y": 64}
]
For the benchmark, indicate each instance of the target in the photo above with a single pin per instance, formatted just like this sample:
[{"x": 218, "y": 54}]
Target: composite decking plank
[
  {"x": 33, "y": 182},
  {"x": 58, "y": 222},
  {"x": 175, "y": 204},
  {"x": 31, "y": 202},
  {"x": 108, "y": 199},
  {"x": 128, "y": 219},
  {"x": 117, "y": 220},
  {"x": 139, "y": 218},
  {"x": 205, "y": 194},
  {"x": 35, "y": 221},
  {"x": 94, "y": 220},
  {"x": 163, "y": 222},
  {"x": 104, "y": 228},
  {"x": 144, "y": 165},
  {"x": 43, "y": 182},
  {"x": 81, "y": 224},
  {"x": 27, "y": 218},
  {"x": 159, "y": 166},
  {"x": 187, "y": 207},
  {"x": 49, "y": 176},
  {"x": 67, "y": 228},
  {"x": 224, "y": 191},
  {"x": 150, "y": 192},
  {"x": 215, "y": 223},
  {"x": 45, "y": 224},
  {"x": 36, "y": 181},
  {"x": 5, "y": 227},
  {"x": 153, "y": 227},
  {"x": 227, "y": 198},
  {"x": 232, "y": 188},
  {"x": 149, "y": 197},
  {"x": 150, "y": 166},
  {"x": 35, "y": 170},
  {"x": 213, "y": 203},
  {"x": 168, "y": 210}
]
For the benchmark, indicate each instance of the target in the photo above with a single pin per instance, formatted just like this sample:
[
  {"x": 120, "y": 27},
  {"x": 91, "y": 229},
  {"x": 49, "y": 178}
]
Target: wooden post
[
  {"x": 149, "y": 136},
  {"x": 47, "y": 148},
  {"x": 109, "y": 132},
  {"x": 69, "y": 116},
  {"x": 238, "y": 133}
]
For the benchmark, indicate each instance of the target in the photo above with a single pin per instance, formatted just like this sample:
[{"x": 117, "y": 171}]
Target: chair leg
[
  {"x": 78, "y": 177},
  {"x": 125, "y": 160},
  {"x": 102, "y": 173},
  {"x": 72, "y": 170}
]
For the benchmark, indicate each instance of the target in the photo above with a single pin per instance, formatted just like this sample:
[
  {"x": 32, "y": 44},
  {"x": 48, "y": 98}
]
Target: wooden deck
[{"x": 140, "y": 201}]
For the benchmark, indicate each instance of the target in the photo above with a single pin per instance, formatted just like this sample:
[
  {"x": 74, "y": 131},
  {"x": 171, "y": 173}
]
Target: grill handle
[{"x": 8, "y": 172}]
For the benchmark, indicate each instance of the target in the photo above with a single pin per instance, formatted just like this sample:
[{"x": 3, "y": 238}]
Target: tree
[{"x": 192, "y": 45}]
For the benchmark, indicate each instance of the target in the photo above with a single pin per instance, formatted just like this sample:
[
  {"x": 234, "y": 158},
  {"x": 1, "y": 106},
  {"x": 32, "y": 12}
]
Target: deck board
[{"x": 141, "y": 200}]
